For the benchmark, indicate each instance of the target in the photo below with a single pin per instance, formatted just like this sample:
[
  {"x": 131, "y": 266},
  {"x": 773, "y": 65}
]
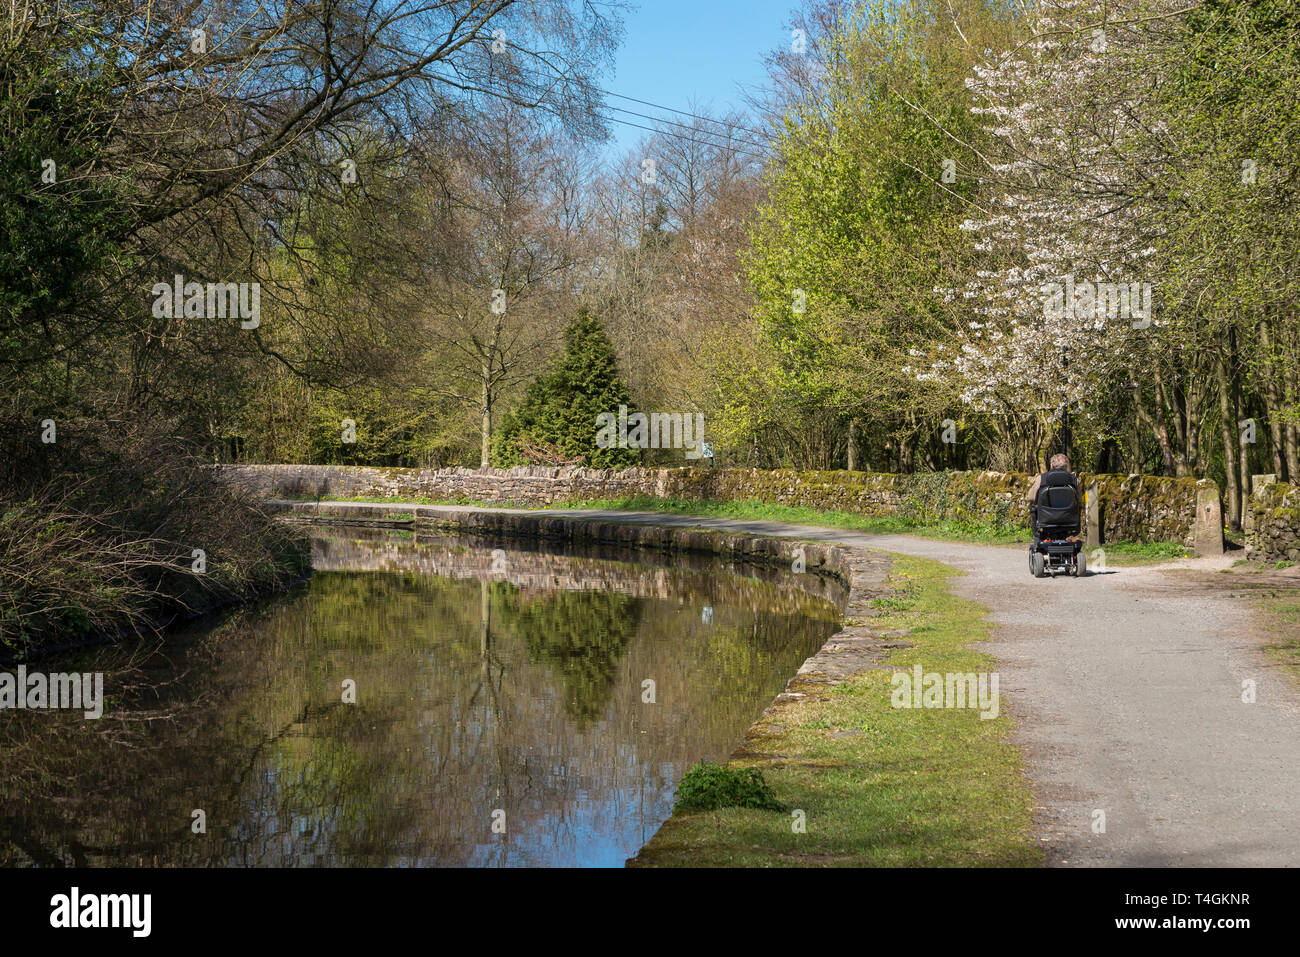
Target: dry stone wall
[
  {"x": 1130, "y": 508},
  {"x": 1275, "y": 523}
]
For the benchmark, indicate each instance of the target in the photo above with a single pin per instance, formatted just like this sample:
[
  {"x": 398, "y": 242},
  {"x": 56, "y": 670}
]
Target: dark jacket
[{"x": 1048, "y": 479}]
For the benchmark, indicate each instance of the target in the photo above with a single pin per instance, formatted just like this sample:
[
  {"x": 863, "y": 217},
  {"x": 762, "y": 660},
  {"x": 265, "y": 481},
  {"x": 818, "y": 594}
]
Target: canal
[{"x": 424, "y": 700}]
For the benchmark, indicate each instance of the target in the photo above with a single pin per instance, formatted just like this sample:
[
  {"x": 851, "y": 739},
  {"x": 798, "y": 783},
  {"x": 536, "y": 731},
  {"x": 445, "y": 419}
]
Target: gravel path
[{"x": 1126, "y": 686}]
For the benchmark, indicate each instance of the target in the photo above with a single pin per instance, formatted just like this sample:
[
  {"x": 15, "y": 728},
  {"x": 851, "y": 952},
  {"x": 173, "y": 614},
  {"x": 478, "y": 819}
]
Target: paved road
[{"x": 1127, "y": 689}]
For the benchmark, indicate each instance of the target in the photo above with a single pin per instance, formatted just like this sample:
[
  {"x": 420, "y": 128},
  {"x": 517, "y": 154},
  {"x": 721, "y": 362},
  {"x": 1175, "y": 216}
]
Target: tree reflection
[
  {"x": 472, "y": 696},
  {"x": 581, "y": 636}
]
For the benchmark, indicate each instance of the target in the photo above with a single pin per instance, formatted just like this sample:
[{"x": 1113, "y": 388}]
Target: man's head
[{"x": 1059, "y": 461}]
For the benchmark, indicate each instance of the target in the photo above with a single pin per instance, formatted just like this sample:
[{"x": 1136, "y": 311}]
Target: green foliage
[
  {"x": 857, "y": 230},
  {"x": 581, "y": 635},
  {"x": 54, "y": 237},
  {"x": 708, "y": 787},
  {"x": 559, "y": 409},
  {"x": 1158, "y": 550}
]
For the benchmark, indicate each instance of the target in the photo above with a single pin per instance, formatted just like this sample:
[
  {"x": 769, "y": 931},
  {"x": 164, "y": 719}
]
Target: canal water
[{"x": 423, "y": 701}]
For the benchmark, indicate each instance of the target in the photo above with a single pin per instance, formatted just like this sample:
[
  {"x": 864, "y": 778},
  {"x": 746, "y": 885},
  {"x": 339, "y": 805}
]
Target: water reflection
[{"x": 491, "y": 688}]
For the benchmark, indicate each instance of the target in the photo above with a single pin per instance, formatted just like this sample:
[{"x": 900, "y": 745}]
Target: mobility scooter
[{"x": 1058, "y": 544}]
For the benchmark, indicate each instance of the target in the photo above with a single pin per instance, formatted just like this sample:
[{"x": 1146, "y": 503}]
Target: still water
[{"x": 513, "y": 708}]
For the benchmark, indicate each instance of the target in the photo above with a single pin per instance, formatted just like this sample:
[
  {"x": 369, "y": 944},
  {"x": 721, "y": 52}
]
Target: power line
[
  {"x": 657, "y": 106},
  {"x": 679, "y": 136},
  {"x": 685, "y": 126},
  {"x": 659, "y": 132},
  {"x": 596, "y": 113},
  {"x": 693, "y": 129}
]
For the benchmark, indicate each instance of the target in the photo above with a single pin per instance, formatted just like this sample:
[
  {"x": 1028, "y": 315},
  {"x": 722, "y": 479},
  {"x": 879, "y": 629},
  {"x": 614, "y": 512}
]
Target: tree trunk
[
  {"x": 486, "y": 427},
  {"x": 1272, "y": 398},
  {"x": 1245, "y": 459},
  {"x": 1228, "y": 426},
  {"x": 1175, "y": 448},
  {"x": 853, "y": 445},
  {"x": 1191, "y": 402},
  {"x": 1162, "y": 427},
  {"x": 1135, "y": 446},
  {"x": 1292, "y": 455},
  {"x": 1157, "y": 427},
  {"x": 1239, "y": 413},
  {"x": 1276, "y": 440},
  {"x": 906, "y": 446},
  {"x": 1290, "y": 436}
]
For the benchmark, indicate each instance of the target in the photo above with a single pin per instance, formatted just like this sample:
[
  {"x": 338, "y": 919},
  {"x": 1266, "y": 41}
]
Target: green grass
[
  {"x": 1143, "y": 553},
  {"x": 919, "y": 787},
  {"x": 981, "y": 533},
  {"x": 986, "y": 533},
  {"x": 1279, "y": 611}
]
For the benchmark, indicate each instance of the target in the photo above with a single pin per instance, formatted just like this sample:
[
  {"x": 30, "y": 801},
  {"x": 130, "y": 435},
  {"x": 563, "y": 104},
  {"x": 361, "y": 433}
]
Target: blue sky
[{"x": 678, "y": 50}]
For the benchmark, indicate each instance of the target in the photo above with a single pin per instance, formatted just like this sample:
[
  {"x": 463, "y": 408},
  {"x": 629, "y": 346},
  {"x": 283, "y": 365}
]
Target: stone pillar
[
  {"x": 1257, "y": 481},
  {"x": 1207, "y": 527},
  {"x": 1092, "y": 515}
]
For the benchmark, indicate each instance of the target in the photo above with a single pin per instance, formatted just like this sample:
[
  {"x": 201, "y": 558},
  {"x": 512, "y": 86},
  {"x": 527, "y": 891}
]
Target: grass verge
[
  {"x": 1275, "y": 598},
  {"x": 1281, "y": 614},
  {"x": 751, "y": 509},
  {"x": 1143, "y": 553},
  {"x": 979, "y": 533},
  {"x": 877, "y": 786}
]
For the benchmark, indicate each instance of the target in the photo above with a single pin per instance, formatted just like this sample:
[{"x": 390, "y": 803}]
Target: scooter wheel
[{"x": 1037, "y": 564}]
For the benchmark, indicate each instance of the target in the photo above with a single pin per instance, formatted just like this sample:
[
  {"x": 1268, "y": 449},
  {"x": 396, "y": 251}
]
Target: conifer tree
[{"x": 556, "y": 422}]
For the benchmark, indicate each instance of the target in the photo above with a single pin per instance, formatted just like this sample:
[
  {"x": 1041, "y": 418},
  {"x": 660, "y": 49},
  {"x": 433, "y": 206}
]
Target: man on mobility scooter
[{"x": 1054, "y": 509}]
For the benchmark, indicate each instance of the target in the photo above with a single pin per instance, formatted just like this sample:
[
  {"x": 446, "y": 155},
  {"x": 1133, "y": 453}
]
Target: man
[{"x": 1058, "y": 473}]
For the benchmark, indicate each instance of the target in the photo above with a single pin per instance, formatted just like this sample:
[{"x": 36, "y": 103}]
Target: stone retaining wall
[
  {"x": 855, "y": 648},
  {"x": 818, "y": 558},
  {"x": 1132, "y": 508},
  {"x": 536, "y": 566},
  {"x": 1274, "y": 533}
]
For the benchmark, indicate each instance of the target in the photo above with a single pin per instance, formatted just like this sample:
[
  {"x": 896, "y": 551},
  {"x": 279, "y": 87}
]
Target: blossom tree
[{"x": 1061, "y": 301}]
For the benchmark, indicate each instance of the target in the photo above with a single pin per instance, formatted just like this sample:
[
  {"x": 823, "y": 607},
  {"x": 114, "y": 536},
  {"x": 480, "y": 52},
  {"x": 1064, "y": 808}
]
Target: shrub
[
  {"x": 98, "y": 533},
  {"x": 556, "y": 422},
  {"x": 707, "y": 787}
]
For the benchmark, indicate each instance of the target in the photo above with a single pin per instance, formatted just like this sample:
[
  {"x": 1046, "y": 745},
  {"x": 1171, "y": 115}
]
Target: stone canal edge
[{"x": 854, "y": 649}]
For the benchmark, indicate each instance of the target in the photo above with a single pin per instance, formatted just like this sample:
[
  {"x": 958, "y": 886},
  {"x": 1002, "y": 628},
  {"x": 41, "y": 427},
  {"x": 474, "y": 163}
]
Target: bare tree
[{"x": 504, "y": 259}]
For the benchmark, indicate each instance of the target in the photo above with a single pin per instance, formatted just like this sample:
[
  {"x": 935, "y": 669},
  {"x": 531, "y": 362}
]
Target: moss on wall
[
  {"x": 1132, "y": 507},
  {"x": 1145, "y": 507},
  {"x": 1275, "y": 523}
]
